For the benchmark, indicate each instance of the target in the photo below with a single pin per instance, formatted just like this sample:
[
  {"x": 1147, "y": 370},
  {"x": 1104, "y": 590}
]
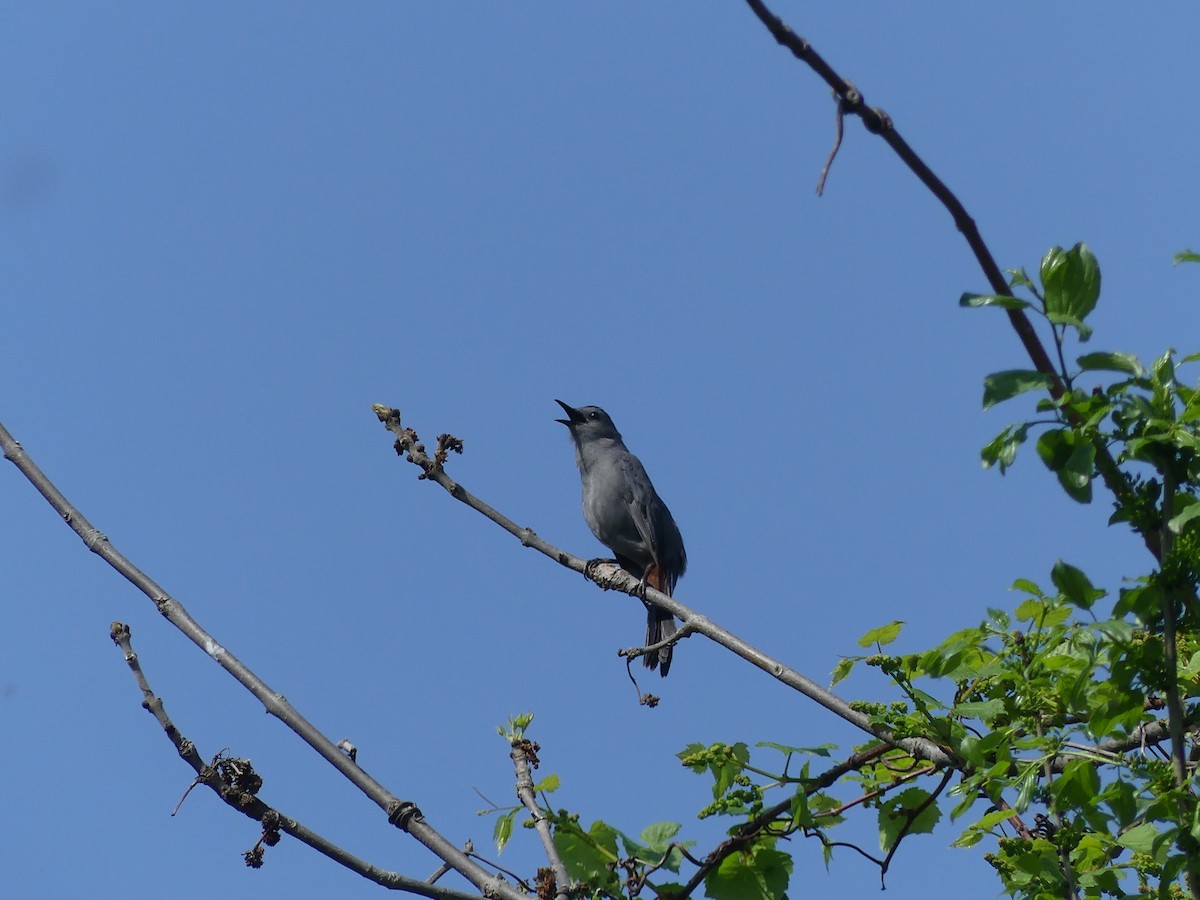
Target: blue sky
[{"x": 229, "y": 229}]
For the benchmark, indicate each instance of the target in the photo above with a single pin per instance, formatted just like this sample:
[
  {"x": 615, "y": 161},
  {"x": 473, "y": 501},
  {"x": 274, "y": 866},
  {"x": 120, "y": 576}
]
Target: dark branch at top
[{"x": 851, "y": 100}]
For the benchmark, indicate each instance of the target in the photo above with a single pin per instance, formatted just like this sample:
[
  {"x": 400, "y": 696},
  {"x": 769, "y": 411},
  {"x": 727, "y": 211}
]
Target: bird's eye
[{"x": 593, "y": 415}]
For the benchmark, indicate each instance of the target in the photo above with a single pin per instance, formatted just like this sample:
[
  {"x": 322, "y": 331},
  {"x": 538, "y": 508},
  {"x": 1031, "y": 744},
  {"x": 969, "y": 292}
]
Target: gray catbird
[{"x": 624, "y": 511}]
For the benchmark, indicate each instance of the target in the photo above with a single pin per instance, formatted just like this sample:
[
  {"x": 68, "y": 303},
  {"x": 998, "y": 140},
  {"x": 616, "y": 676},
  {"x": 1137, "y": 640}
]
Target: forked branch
[{"x": 239, "y": 791}]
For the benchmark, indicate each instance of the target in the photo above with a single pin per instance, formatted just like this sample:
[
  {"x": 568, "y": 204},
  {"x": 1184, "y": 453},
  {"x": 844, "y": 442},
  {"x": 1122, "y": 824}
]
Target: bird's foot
[{"x": 589, "y": 568}]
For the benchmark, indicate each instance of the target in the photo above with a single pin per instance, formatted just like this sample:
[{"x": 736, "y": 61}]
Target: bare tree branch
[
  {"x": 403, "y": 814},
  {"x": 610, "y": 576},
  {"x": 850, "y": 100},
  {"x": 244, "y": 799}
]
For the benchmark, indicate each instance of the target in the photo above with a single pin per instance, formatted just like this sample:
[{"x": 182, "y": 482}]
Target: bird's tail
[{"x": 660, "y": 625}]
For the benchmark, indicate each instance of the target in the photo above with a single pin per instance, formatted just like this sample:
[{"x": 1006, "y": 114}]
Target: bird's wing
[{"x": 639, "y": 497}]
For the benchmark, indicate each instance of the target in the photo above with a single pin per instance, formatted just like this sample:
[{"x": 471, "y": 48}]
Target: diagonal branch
[
  {"x": 850, "y": 100},
  {"x": 403, "y": 814},
  {"x": 612, "y": 577},
  {"x": 247, "y": 803}
]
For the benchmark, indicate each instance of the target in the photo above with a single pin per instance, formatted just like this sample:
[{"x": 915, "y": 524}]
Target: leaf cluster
[
  {"x": 1054, "y": 714},
  {"x": 1043, "y": 708}
]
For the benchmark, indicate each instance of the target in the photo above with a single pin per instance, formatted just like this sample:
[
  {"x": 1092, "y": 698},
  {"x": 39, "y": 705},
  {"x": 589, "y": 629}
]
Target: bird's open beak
[{"x": 574, "y": 416}]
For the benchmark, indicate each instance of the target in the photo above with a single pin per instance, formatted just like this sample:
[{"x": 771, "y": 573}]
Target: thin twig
[
  {"x": 499, "y": 868},
  {"x": 444, "y": 869},
  {"x": 1146, "y": 736},
  {"x": 826, "y": 842},
  {"x": 248, "y": 804},
  {"x": 878, "y": 792},
  {"x": 632, "y": 653},
  {"x": 839, "y": 127}
]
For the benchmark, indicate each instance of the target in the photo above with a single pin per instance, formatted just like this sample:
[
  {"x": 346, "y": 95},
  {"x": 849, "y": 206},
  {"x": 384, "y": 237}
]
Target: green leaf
[
  {"x": 1116, "y": 630},
  {"x": 1076, "y": 473},
  {"x": 975, "y": 832},
  {"x": 882, "y": 636},
  {"x": 1070, "y": 283},
  {"x": 1120, "y": 712},
  {"x": 1001, "y": 386},
  {"x": 1070, "y": 456},
  {"x": 1164, "y": 368},
  {"x": 1024, "y": 584},
  {"x": 984, "y": 710},
  {"x": 1029, "y": 610},
  {"x": 901, "y": 810},
  {"x": 1191, "y": 668},
  {"x": 1121, "y": 798},
  {"x": 658, "y": 835},
  {"x": 823, "y": 750},
  {"x": 1029, "y": 786},
  {"x": 842, "y": 669},
  {"x": 589, "y": 855},
  {"x": 1075, "y": 585},
  {"x": 1186, "y": 440},
  {"x": 1143, "y": 601},
  {"x": 502, "y": 830},
  {"x": 1176, "y": 524},
  {"x": 968, "y": 838},
  {"x": 760, "y": 873},
  {"x": 1085, "y": 331},
  {"x": 1003, "y": 301},
  {"x": 1092, "y": 854},
  {"x": 1018, "y": 278},
  {"x": 1003, "y": 448},
  {"x": 1078, "y": 784},
  {"x": 514, "y": 728},
  {"x": 802, "y": 816},
  {"x": 547, "y": 784},
  {"x": 1139, "y": 838},
  {"x": 1186, "y": 256},
  {"x": 1191, "y": 412},
  {"x": 604, "y": 836},
  {"x": 1112, "y": 362}
]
